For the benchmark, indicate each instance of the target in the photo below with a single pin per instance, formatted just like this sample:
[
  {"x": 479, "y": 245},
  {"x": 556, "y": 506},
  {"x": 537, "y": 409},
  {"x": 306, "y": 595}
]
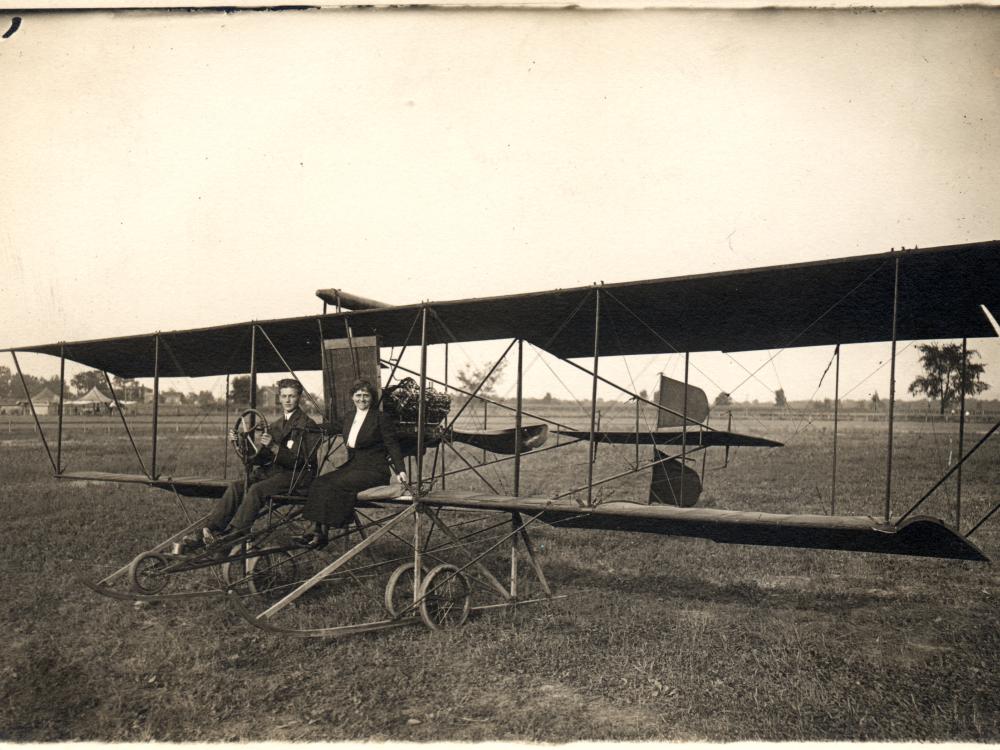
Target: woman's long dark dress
[{"x": 332, "y": 496}]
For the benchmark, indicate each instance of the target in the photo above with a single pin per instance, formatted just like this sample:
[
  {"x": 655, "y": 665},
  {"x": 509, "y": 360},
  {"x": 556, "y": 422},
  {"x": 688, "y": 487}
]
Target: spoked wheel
[
  {"x": 249, "y": 426},
  {"x": 444, "y": 598},
  {"x": 272, "y": 571},
  {"x": 146, "y": 573},
  {"x": 234, "y": 571},
  {"x": 399, "y": 589}
]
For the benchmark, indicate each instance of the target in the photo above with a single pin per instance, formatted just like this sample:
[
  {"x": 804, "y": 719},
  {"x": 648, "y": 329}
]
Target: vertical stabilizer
[{"x": 672, "y": 397}]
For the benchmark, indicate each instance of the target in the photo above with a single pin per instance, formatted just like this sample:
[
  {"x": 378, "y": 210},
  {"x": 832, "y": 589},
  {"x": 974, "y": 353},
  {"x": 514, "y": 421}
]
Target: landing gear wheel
[
  {"x": 399, "y": 589},
  {"x": 234, "y": 571},
  {"x": 146, "y": 573},
  {"x": 444, "y": 598},
  {"x": 271, "y": 572},
  {"x": 248, "y": 425}
]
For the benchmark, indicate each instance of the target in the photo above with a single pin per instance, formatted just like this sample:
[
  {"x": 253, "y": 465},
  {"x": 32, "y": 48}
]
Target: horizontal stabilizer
[
  {"x": 502, "y": 440},
  {"x": 496, "y": 441},
  {"x": 695, "y": 438}
]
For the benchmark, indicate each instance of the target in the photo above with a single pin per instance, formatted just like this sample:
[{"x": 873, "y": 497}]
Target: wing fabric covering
[
  {"x": 920, "y": 536},
  {"x": 694, "y": 438},
  {"x": 846, "y": 300},
  {"x": 672, "y": 397},
  {"x": 673, "y": 483}
]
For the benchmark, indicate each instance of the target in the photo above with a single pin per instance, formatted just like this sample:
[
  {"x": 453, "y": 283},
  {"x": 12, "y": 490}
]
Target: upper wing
[{"x": 846, "y": 300}]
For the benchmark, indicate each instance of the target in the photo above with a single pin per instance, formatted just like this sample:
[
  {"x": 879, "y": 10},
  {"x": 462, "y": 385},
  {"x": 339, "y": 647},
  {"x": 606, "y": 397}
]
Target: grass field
[{"x": 659, "y": 638}]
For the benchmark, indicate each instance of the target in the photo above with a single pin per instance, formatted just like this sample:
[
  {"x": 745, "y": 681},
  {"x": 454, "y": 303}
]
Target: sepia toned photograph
[{"x": 467, "y": 374}]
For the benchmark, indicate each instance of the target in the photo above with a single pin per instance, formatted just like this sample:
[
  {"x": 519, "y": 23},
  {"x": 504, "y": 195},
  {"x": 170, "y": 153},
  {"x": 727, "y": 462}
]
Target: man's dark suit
[
  {"x": 332, "y": 496},
  {"x": 296, "y": 438}
]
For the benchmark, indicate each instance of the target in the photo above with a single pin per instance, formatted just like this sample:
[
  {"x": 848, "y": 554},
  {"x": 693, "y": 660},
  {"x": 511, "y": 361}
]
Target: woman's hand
[{"x": 402, "y": 477}]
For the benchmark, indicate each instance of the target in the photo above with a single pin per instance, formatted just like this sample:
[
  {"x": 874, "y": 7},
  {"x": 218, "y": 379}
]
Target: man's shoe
[
  {"x": 312, "y": 540},
  {"x": 209, "y": 536},
  {"x": 193, "y": 541}
]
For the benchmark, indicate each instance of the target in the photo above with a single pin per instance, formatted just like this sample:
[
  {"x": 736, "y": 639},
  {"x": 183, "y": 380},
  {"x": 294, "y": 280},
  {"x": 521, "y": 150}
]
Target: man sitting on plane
[{"x": 285, "y": 463}]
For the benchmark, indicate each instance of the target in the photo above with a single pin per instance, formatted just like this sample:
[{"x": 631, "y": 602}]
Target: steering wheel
[{"x": 249, "y": 424}]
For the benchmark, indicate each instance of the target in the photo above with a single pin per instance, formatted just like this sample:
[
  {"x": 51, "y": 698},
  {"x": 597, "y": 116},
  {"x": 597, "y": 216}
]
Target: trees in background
[
  {"x": 723, "y": 399},
  {"x": 82, "y": 382},
  {"x": 10, "y": 384},
  {"x": 469, "y": 379},
  {"x": 942, "y": 378}
]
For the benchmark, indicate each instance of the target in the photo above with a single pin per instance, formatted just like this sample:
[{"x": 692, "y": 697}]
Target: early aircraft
[{"x": 426, "y": 547}]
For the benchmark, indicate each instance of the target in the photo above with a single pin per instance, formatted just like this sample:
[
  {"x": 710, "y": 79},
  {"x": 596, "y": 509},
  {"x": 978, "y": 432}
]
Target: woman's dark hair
[{"x": 364, "y": 385}]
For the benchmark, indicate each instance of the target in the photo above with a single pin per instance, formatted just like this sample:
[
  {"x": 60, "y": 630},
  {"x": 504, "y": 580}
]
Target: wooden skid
[
  {"x": 338, "y": 631},
  {"x": 128, "y": 596}
]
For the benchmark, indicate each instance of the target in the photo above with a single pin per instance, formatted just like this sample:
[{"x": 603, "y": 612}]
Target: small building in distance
[
  {"x": 11, "y": 406},
  {"x": 46, "y": 401},
  {"x": 267, "y": 397}
]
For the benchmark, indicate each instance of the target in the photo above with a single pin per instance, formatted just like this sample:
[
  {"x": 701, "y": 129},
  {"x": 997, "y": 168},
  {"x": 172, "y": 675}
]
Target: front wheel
[
  {"x": 444, "y": 598},
  {"x": 273, "y": 572},
  {"x": 399, "y": 590},
  {"x": 146, "y": 573}
]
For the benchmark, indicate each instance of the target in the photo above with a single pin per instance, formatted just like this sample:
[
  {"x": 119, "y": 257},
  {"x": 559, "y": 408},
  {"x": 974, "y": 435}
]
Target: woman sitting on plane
[{"x": 370, "y": 437}]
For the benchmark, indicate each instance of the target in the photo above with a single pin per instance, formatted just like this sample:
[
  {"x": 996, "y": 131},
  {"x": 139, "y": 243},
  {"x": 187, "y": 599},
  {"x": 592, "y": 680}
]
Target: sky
[{"x": 171, "y": 170}]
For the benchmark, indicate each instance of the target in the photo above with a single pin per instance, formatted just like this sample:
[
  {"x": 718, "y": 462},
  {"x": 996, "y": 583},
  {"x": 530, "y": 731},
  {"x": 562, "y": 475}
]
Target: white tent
[{"x": 92, "y": 398}]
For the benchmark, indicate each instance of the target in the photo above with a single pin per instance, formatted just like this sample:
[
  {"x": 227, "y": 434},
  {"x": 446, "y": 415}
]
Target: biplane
[{"x": 421, "y": 551}]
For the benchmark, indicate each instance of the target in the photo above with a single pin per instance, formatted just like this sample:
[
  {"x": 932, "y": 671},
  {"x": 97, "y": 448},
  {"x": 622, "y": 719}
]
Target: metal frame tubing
[
  {"x": 31, "y": 405},
  {"x": 253, "y": 366},
  {"x": 605, "y": 480},
  {"x": 350, "y": 347},
  {"x": 472, "y": 394},
  {"x": 952, "y": 470},
  {"x": 513, "y": 558},
  {"x": 325, "y": 411},
  {"x": 505, "y": 459},
  {"x": 892, "y": 394},
  {"x": 339, "y": 562},
  {"x": 225, "y": 443},
  {"x": 443, "y": 469},
  {"x": 983, "y": 520},
  {"x": 473, "y": 469},
  {"x": 636, "y": 432},
  {"x": 684, "y": 424},
  {"x": 253, "y": 395},
  {"x": 517, "y": 418},
  {"x": 156, "y": 402},
  {"x": 62, "y": 392},
  {"x": 294, "y": 374},
  {"x": 121, "y": 414},
  {"x": 961, "y": 436},
  {"x": 729, "y": 428},
  {"x": 421, "y": 406},
  {"x": 836, "y": 417},
  {"x": 593, "y": 396},
  {"x": 627, "y": 392}
]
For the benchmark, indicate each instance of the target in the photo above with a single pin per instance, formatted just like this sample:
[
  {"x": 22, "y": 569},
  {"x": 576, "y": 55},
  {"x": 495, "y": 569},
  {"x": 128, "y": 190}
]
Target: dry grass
[{"x": 660, "y": 638}]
